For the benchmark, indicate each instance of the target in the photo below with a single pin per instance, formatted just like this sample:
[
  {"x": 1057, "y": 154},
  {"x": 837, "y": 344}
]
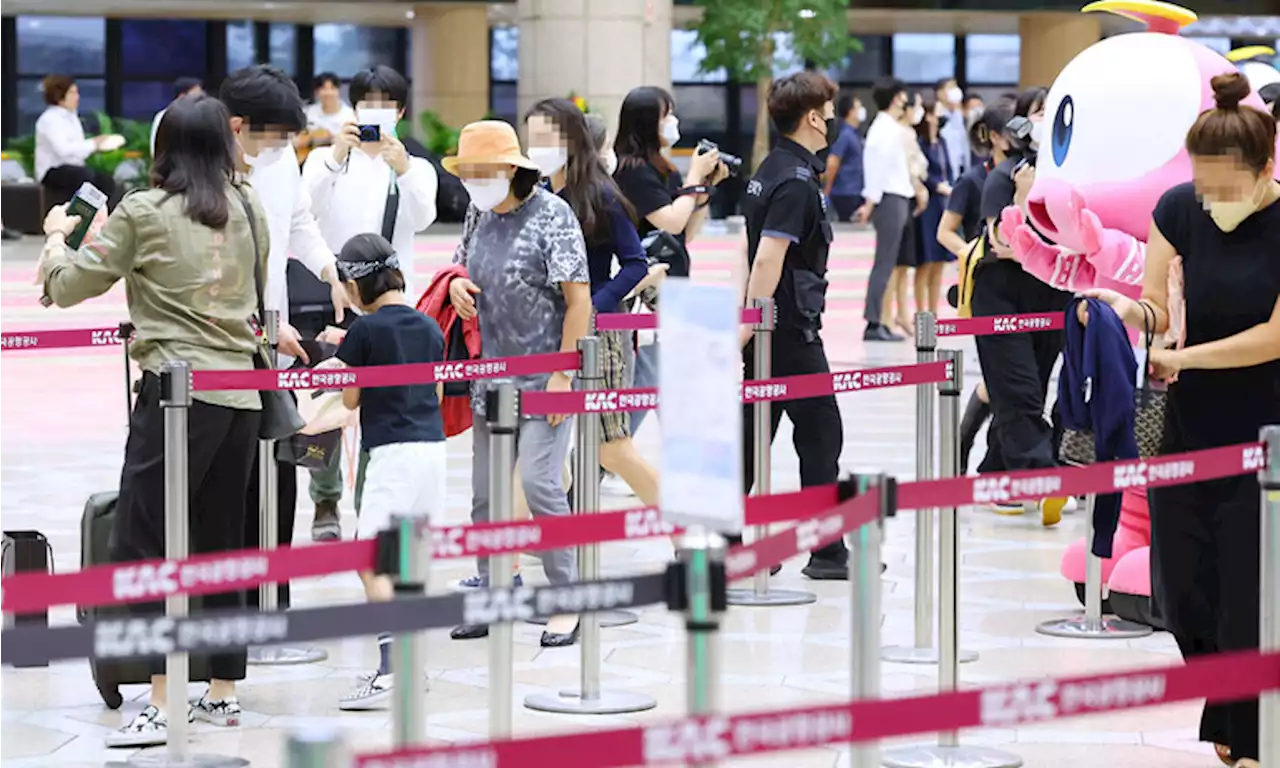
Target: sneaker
[
  {"x": 475, "y": 582},
  {"x": 372, "y": 692},
  {"x": 222, "y": 712},
  {"x": 148, "y": 728},
  {"x": 326, "y": 526},
  {"x": 1073, "y": 504},
  {"x": 1051, "y": 510}
]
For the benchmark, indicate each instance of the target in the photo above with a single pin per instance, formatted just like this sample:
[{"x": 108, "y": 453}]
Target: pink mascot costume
[{"x": 1113, "y": 142}]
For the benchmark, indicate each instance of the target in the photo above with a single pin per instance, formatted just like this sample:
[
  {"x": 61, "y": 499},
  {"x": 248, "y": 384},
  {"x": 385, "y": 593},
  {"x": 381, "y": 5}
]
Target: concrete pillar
[
  {"x": 1050, "y": 40},
  {"x": 450, "y": 49},
  {"x": 596, "y": 49}
]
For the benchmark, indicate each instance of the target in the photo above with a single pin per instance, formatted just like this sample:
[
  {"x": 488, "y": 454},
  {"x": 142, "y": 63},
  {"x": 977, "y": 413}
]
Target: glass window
[
  {"x": 993, "y": 59},
  {"x": 866, "y": 65},
  {"x": 93, "y": 98},
  {"x": 924, "y": 57},
  {"x": 504, "y": 53},
  {"x": 502, "y": 102},
  {"x": 64, "y": 44},
  {"x": 283, "y": 53},
  {"x": 701, "y": 109},
  {"x": 240, "y": 48},
  {"x": 347, "y": 48},
  {"x": 142, "y": 100},
  {"x": 163, "y": 47},
  {"x": 1220, "y": 44},
  {"x": 686, "y": 54}
]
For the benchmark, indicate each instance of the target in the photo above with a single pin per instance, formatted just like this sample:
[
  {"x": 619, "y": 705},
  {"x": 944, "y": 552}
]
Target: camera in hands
[
  {"x": 731, "y": 162},
  {"x": 370, "y": 134}
]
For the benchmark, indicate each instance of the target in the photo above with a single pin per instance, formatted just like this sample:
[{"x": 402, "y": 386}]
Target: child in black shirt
[{"x": 400, "y": 426}]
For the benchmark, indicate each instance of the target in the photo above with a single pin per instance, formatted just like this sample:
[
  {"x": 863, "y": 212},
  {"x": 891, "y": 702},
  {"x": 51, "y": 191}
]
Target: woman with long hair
[
  {"x": 186, "y": 251},
  {"x": 561, "y": 145},
  {"x": 932, "y": 255}
]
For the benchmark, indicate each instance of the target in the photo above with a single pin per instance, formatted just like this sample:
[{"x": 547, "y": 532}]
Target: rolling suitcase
[
  {"x": 95, "y": 549},
  {"x": 24, "y": 552}
]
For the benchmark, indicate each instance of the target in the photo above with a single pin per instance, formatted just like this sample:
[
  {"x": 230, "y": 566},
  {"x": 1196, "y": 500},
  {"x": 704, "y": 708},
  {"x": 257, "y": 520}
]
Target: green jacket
[{"x": 190, "y": 288}]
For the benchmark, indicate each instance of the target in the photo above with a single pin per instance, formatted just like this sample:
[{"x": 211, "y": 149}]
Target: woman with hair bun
[{"x": 1224, "y": 226}]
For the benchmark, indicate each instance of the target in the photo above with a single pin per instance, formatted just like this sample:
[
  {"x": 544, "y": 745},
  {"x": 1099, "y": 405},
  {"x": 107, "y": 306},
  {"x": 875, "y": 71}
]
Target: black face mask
[{"x": 833, "y": 130}]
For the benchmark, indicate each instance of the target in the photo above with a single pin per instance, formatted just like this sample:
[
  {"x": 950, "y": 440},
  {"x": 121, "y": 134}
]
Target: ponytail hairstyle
[{"x": 1232, "y": 130}]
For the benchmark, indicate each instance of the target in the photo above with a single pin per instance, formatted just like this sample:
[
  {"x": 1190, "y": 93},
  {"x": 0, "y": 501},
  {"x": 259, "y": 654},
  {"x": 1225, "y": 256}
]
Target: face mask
[
  {"x": 385, "y": 119},
  {"x": 1229, "y": 214},
  {"x": 610, "y": 159},
  {"x": 263, "y": 158},
  {"x": 1037, "y": 130},
  {"x": 671, "y": 130},
  {"x": 549, "y": 159},
  {"x": 954, "y": 94},
  {"x": 861, "y": 114},
  {"x": 833, "y": 129},
  {"x": 487, "y": 193},
  {"x": 917, "y": 115}
]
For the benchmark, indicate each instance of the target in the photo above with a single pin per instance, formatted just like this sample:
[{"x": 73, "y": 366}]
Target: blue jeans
[{"x": 646, "y": 376}]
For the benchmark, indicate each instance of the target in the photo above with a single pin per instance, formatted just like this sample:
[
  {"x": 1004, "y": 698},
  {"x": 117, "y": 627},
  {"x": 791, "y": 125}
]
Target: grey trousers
[
  {"x": 542, "y": 450},
  {"x": 890, "y": 218}
]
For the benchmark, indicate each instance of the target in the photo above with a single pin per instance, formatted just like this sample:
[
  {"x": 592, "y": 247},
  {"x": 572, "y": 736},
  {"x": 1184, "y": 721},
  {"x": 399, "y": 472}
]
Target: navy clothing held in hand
[
  {"x": 930, "y": 250},
  {"x": 1096, "y": 392},
  {"x": 394, "y": 335},
  {"x": 624, "y": 242}
]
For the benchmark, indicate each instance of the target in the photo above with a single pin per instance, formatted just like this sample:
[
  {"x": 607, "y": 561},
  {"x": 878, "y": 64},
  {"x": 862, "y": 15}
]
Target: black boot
[{"x": 976, "y": 414}]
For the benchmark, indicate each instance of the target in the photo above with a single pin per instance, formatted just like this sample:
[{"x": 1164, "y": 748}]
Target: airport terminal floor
[{"x": 64, "y": 427}]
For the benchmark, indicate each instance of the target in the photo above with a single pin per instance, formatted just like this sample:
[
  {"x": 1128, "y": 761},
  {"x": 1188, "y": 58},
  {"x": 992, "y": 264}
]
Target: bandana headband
[{"x": 354, "y": 270}]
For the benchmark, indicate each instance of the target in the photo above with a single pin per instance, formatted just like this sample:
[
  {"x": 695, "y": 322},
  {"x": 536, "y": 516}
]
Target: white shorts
[{"x": 402, "y": 479}]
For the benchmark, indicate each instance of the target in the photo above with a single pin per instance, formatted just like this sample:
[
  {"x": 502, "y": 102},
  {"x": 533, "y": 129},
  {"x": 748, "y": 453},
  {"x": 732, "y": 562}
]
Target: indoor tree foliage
[{"x": 740, "y": 37}]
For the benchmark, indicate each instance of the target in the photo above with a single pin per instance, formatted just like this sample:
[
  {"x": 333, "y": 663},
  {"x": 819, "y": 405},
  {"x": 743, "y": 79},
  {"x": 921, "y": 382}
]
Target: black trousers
[
  {"x": 1016, "y": 368},
  {"x": 818, "y": 434},
  {"x": 286, "y": 508},
  {"x": 61, "y": 182},
  {"x": 220, "y": 453},
  {"x": 1204, "y": 546}
]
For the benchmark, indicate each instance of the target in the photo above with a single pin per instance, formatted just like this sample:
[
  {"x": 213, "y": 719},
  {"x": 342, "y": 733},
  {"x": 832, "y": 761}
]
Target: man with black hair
[
  {"x": 326, "y": 114},
  {"x": 889, "y": 194},
  {"x": 266, "y": 110},
  {"x": 844, "y": 161},
  {"x": 181, "y": 87},
  {"x": 788, "y": 240}
]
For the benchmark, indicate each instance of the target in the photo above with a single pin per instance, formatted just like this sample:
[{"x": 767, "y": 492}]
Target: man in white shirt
[
  {"x": 325, "y": 115},
  {"x": 955, "y": 131},
  {"x": 181, "y": 87},
  {"x": 889, "y": 193}
]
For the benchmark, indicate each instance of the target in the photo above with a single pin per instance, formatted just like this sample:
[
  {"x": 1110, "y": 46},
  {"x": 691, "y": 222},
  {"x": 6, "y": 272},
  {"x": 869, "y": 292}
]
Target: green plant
[
  {"x": 137, "y": 144},
  {"x": 742, "y": 39},
  {"x": 438, "y": 137},
  {"x": 23, "y": 150}
]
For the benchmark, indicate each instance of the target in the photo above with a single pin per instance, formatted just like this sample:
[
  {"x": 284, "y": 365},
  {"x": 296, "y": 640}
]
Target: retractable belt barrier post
[
  {"x": 175, "y": 401},
  {"x": 408, "y": 658},
  {"x": 589, "y": 699},
  {"x": 502, "y": 412},
  {"x": 762, "y": 463},
  {"x": 948, "y": 751},
  {"x": 1269, "y": 702},
  {"x": 269, "y": 528},
  {"x": 315, "y": 748},
  {"x": 864, "y": 589},
  {"x": 125, "y": 334}
]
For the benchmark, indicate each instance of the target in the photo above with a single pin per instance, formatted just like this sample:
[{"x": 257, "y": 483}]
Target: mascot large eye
[
  {"x": 1063, "y": 124},
  {"x": 1121, "y": 109}
]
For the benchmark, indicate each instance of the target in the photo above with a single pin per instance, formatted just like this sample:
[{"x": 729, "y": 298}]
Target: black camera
[
  {"x": 732, "y": 162},
  {"x": 370, "y": 134}
]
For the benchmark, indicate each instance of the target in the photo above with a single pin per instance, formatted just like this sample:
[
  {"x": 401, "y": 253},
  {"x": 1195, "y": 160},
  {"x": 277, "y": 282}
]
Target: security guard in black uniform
[{"x": 788, "y": 237}]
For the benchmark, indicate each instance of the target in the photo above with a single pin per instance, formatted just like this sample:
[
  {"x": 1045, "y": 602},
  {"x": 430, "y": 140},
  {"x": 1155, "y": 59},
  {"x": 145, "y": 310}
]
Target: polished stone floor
[{"x": 63, "y": 426}]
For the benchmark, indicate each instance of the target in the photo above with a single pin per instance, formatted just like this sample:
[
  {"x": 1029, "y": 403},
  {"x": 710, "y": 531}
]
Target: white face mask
[
  {"x": 954, "y": 94},
  {"x": 264, "y": 157},
  {"x": 610, "y": 159},
  {"x": 861, "y": 114},
  {"x": 549, "y": 159},
  {"x": 917, "y": 115},
  {"x": 1230, "y": 214},
  {"x": 385, "y": 119},
  {"x": 1037, "y": 130},
  {"x": 670, "y": 130},
  {"x": 487, "y": 193}
]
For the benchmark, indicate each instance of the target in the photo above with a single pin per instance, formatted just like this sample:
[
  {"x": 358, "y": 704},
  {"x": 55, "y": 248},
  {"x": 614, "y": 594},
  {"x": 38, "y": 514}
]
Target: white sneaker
[
  {"x": 148, "y": 728},
  {"x": 613, "y": 485},
  {"x": 224, "y": 712},
  {"x": 372, "y": 692},
  {"x": 1072, "y": 505}
]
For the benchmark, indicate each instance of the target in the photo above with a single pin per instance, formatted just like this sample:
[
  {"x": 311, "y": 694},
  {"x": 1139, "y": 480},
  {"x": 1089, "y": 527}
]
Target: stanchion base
[
  {"x": 899, "y": 654},
  {"x": 934, "y": 756},
  {"x": 749, "y": 597},
  {"x": 160, "y": 758},
  {"x": 608, "y": 619},
  {"x": 283, "y": 655},
  {"x": 1104, "y": 628},
  {"x": 608, "y": 703}
]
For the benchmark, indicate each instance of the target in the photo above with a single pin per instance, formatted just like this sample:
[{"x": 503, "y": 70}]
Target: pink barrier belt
[
  {"x": 784, "y": 388},
  {"x": 60, "y": 339},
  {"x": 625, "y": 321},
  {"x": 245, "y": 569},
  {"x": 999, "y": 324}
]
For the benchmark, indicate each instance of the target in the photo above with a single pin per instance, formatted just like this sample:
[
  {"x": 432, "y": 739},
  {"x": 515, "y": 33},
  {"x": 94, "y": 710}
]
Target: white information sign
[{"x": 700, "y": 375}]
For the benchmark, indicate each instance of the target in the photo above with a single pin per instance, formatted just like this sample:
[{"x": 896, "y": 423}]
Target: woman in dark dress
[
  {"x": 1225, "y": 227},
  {"x": 932, "y": 257}
]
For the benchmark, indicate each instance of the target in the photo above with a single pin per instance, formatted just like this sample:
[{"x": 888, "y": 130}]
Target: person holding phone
[{"x": 61, "y": 146}]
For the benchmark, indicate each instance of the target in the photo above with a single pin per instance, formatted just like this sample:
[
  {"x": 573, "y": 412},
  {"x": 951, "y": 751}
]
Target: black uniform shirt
[{"x": 784, "y": 199}]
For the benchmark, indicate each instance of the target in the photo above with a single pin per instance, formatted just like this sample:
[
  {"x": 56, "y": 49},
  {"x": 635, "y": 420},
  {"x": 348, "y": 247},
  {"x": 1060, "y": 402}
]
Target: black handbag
[
  {"x": 1148, "y": 413},
  {"x": 280, "y": 417}
]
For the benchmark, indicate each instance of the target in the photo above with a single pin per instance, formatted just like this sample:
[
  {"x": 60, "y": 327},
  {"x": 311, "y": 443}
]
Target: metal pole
[
  {"x": 589, "y": 699},
  {"x": 314, "y": 748},
  {"x": 1269, "y": 637},
  {"x": 502, "y": 411},
  {"x": 175, "y": 401},
  {"x": 409, "y": 654},
  {"x": 762, "y": 462},
  {"x": 702, "y": 555},
  {"x": 864, "y": 583},
  {"x": 125, "y": 332},
  {"x": 269, "y": 527},
  {"x": 948, "y": 751}
]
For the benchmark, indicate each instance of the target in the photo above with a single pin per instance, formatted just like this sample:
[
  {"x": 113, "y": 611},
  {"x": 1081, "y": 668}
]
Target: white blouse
[{"x": 60, "y": 140}]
